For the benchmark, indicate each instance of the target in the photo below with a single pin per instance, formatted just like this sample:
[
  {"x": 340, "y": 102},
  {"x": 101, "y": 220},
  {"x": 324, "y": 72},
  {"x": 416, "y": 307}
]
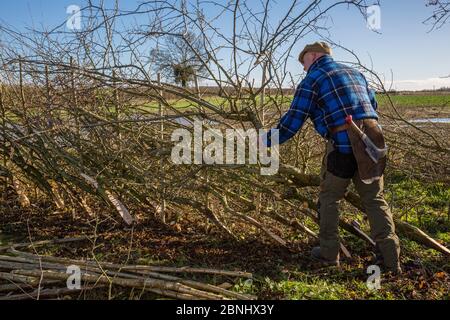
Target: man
[{"x": 328, "y": 95}]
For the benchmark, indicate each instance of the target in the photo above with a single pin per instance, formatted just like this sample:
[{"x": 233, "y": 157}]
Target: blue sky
[
  {"x": 416, "y": 57},
  {"x": 405, "y": 44}
]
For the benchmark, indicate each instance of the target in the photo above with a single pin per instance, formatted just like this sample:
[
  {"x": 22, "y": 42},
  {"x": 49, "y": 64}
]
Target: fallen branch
[
  {"x": 405, "y": 229},
  {"x": 419, "y": 236},
  {"x": 43, "y": 242}
]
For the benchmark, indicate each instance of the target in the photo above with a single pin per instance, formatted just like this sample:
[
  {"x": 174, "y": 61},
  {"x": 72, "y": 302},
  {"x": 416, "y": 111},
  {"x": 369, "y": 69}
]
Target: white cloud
[{"x": 424, "y": 84}]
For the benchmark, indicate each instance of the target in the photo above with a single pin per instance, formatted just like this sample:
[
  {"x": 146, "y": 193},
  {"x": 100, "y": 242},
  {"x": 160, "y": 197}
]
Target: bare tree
[
  {"x": 441, "y": 13},
  {"x": 440, "y": 16},
  {"x": 181, "y": 57}
]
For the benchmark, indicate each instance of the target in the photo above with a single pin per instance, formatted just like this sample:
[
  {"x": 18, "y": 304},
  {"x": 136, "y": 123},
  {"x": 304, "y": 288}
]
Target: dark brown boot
[{"x": 315, "y": 254}]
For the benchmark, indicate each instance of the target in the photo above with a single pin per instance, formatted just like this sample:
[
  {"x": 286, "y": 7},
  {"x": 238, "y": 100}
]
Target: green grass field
[
  {"x": 426, "y": 100},
  {"x": 410, "y": 100}
]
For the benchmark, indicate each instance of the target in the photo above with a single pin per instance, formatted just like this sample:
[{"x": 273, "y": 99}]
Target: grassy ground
[
  {"x": 419, "y": 100},
  {"x": 409, "y": 100},
  {"x": 279, "y": 273}
]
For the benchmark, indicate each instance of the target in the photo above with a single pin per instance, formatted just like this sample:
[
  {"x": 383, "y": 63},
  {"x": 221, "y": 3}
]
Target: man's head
[{"x": 312, "y": 52}]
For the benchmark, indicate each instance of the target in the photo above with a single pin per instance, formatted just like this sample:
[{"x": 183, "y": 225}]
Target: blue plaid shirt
[{"x": 329, "y": 92}]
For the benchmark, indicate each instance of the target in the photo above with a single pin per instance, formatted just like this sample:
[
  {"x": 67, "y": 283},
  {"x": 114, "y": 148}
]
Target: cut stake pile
[{"x": 43, "y": 277}]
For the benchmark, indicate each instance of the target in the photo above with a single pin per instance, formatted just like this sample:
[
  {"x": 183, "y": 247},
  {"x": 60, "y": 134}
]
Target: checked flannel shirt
[{"x": 329, "y": 92}]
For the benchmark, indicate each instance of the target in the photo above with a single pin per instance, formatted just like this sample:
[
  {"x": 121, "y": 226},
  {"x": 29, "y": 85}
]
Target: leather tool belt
[{"x": 369, "y": 171}]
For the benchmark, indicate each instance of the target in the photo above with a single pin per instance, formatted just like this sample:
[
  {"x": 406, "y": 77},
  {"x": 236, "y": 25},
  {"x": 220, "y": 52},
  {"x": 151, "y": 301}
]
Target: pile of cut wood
[{"x": 25, "y": 275}]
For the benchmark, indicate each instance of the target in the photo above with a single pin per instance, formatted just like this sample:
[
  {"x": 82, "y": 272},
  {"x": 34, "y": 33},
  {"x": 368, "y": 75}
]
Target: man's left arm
[{"x": 371, "y": 93}]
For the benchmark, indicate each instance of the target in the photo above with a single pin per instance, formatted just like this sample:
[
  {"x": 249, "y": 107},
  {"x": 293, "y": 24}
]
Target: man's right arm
[{"x": 294, "y": 118}]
